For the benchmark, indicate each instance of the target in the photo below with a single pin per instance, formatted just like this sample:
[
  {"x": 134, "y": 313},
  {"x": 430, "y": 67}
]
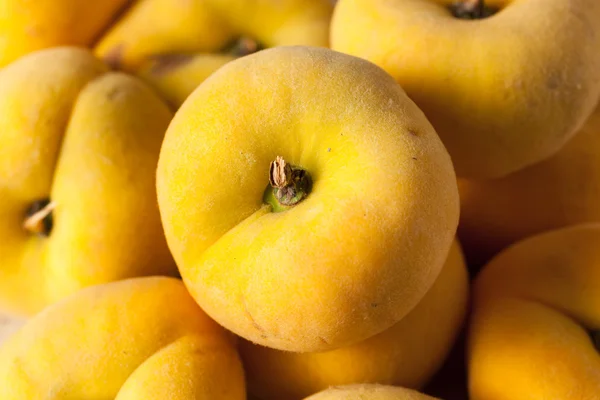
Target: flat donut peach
[
  {"x": 136, "y": 339},
  {"x": 368, "y": 392},
  {"x": 307, "y": 201},
  {"x": 536, "y": 317},
  {"x": 407, "y": 354},
  {"x": 79, "y": 147}
]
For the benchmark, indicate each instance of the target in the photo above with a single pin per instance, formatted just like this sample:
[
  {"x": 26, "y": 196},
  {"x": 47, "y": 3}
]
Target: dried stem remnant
[
  {"x": 280, "y": 173},
  {"x": 289, "y": 185},
  {"x": 471, "y": 9},
  {"x": 39, "y": 217},
  {"x": 242, "y": 46}
]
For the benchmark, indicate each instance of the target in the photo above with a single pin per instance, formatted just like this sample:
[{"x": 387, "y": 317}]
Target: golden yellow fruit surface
[
  {"x": 407, "y": 354},
  {"x": 138, "y": 36},
  {"x": 536, "y": 311},
  {"x": 369, "y": 392},
  {"x": 78, "y": 152},
  {"x": 157, "y": 27},
  {"x": 137, "y": 339},
  {"x": 27, "y": 26},
  {"x": 560, "y": 191},
  {"x": 503, "y": 92},
  {"x": 202, "y": 35},
  {"x": 355, "y": 255},
  {"x": 175, "y": 76}
]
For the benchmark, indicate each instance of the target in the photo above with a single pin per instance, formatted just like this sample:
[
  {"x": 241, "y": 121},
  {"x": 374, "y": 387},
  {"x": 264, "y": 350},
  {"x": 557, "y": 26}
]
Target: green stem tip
[{"x": 288, "y": 185}]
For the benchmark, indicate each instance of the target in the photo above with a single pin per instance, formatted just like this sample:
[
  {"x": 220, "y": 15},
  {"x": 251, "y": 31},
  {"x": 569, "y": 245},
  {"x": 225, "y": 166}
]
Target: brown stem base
[
  {"x": 288, "y": 185},
  {"x": 39, "y": 219},
  {"x": 471, "y": 9},
  {"x": 242, "y": 46}
]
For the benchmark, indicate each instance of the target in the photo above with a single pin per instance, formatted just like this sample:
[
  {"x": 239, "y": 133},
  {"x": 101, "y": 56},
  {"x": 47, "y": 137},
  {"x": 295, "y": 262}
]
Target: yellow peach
[
  {"x": 78, "y": 152},
  {"x": 299, "y": 186},
  {"x": 175, "y": 69},
  {"x": 139, "y": 338},
  {"x": 164, "y": 27},
  {"x": 278, "y": 22},
  {"x": 407, "y": 354},
  {"x": 132, "y": 35},
  {"x": 176, "y": 76},
  {"x": 503, "y": 91},
  {"x": 369, "y": 392},
  {"x": 158, "y": 27},
  {"x": 560, "y": 191},
  {"x": 536, "y": 306},
  {"x": 27, "y": 26}
]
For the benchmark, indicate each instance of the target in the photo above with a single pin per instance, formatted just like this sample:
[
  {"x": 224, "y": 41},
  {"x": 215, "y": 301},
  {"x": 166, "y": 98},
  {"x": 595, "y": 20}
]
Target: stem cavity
[
  {"x": 288, "y": 185},
  {"x": 242, "y": 46},
  {"x": 471, "y": 9},
  {"x": 39, "y": 217}
]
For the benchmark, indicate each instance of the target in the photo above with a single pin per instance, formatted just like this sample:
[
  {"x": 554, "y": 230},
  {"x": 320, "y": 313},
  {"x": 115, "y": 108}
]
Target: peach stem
[
  {"x": 287, "y": 185},
  {"x": 35, "y": 222},
  {"x": 476, "y": 6}
]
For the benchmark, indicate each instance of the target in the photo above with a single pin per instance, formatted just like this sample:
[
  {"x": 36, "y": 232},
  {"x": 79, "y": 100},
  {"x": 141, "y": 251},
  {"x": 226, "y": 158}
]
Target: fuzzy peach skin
[
  {"x": 175, "y": 76},
  {"x": 560, "y": 191},
  {"x": 125, "y": 32},
  {"x": 163, "y": 27},
  {"x": 140, "y": 338},
  {"x": 502, "y": 92},
  {"x": 27, "y": 25},
  {"x": 534, "y": 307},
  {"x": 369, "y": 392},
  {"x": 88, "y": 140},
  {"x": 157, "y": 27},
  {"x": 176, "y": 68},
  {"x": 407, "y": 354},
  {"x": 137, "y": 36},
  {"x": 278, "y": 22},
  {"x": 375, "y": 228}
]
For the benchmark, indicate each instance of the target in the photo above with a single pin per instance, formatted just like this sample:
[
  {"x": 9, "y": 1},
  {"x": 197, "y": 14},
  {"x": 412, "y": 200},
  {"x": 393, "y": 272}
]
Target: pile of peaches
[{"x": 300, "y": 199}]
